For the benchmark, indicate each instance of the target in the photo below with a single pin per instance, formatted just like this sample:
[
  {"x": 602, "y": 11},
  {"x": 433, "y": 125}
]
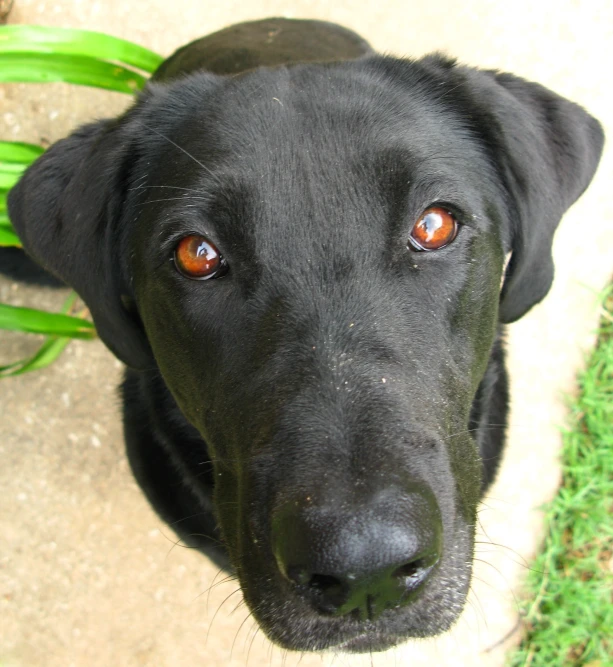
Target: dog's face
[
  {"x": 331, "y": 369},
  {"x": 312, "y": 256}
]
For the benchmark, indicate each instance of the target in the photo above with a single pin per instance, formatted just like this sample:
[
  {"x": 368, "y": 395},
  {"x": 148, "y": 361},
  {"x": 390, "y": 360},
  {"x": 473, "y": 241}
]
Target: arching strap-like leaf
[
  {"x": 81, "y": 70},
  {"x": 48, "y": 40}
]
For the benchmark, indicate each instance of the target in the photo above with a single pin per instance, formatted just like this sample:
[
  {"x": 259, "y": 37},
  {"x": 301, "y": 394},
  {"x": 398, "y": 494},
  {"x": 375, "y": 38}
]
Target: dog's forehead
[
  {"x": 328, "y": 117},
  {"x": 338, "y": 111},
  {"x": 324, "y": 157}
]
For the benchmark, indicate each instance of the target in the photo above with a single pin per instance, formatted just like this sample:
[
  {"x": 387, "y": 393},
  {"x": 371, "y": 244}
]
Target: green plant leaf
[
  {"x": 40, "y": 54},
  {"x": 9, "y": 238},
  {"x": 19, "y": 152},
  {"x": 12, "y": 167},
  {"x": 47, "y": 40},
  {"x": 81, "y": 70},
  {"x": 46, "y": 354},
  {"x": 8, "y": 178},
  {"x": 38, "y": 321},
  {"x": 5, "y": 222},
  {"x": 10, "y": 173}
]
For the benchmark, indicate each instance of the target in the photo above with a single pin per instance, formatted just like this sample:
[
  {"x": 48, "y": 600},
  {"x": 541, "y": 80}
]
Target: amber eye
[
  {"x": 435, "y": 229},
  {"x": 198, "y": 259}
]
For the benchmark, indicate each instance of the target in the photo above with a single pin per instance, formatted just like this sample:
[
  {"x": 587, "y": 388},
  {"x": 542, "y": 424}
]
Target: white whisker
[{"x": 170, "y": 141}]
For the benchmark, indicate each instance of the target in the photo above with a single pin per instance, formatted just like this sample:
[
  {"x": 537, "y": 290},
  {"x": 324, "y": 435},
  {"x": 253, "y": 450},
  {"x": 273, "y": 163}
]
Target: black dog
[{"x": 297, "y": 247}]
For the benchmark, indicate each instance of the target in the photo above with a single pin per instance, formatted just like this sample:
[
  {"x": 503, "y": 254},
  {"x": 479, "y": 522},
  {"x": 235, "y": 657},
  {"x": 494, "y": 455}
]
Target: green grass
[{"x": 569, "y": 612}]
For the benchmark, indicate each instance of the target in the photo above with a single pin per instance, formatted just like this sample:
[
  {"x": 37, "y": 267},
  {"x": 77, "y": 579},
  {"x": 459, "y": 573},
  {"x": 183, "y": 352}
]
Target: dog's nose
[{"x": 358, "y": 558}]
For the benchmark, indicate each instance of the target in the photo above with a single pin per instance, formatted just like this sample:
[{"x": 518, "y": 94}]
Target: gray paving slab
[{"x": 88, "y": 574}]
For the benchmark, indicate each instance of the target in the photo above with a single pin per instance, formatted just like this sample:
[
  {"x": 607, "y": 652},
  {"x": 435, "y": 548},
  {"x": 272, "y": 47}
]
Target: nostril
[
  {"x": 409, "y": 569},
  {"x": 326, "y": 591},
  {"x": 413, "y": 573},
  {"x": 324, "y": 583}
]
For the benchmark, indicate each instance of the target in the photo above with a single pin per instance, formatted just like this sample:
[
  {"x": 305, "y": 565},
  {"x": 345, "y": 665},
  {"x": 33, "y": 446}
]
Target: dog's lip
[
  {"x": 366, "y": 642},
  {"x": 356, "y": 642}
]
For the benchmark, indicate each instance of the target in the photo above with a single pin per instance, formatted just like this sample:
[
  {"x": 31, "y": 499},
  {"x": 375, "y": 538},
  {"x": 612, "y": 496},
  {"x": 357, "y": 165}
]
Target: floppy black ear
[
  {"x": 548, "y": 149},
  {"x": 67, "y": 210}
]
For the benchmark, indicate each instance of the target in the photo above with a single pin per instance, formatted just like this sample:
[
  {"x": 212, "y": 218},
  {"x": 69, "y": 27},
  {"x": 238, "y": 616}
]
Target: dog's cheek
[
  {"x": 187, "y": 362},
  {"x": 475, "y": 313},
  {"x": 474, "y": 321},
  {"x": 467, "y": 473},
  {"x": 227, "y": 507},
  {"x": 180, "y": 350}
]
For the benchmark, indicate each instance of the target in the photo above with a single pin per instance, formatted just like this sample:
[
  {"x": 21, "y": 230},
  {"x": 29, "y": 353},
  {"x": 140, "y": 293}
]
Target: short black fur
[{"x": 324, "y": 418}]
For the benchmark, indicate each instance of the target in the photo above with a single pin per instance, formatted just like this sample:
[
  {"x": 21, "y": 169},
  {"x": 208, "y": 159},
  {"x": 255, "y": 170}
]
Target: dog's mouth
[
  {"x": 367, "y": 643},
  {"x": 291, "y": 626},
  {"x": 324, "y": 566},
  {"x": 293, "y": 621}
]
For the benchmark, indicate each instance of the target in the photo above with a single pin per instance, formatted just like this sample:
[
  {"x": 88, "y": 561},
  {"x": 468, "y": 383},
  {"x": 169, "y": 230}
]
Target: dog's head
[{"x": 312, "y": 256}]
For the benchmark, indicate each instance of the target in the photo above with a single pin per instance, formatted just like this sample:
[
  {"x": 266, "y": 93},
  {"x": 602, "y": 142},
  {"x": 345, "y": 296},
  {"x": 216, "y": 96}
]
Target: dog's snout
[
  {"x": 362, "y": 558},
  {"x": 366, "y": 596}
]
